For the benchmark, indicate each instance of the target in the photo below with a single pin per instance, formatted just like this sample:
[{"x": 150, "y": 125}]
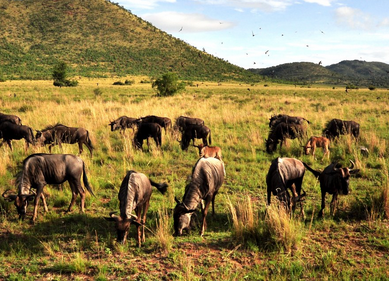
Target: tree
[
  {"x": 168, "y": 85},
  {"x": 59, "y": 75}
]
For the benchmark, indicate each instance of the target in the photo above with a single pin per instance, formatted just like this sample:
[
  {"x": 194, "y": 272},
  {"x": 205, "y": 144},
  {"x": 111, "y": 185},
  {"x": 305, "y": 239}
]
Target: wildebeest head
[
  {"x": 115, "y": 125},
  {"x": 20, "y": 202},
  {"x": 182, "y": 217},
  {"x": 122, "y": 225},
  {"x": 271, "y": 145}
]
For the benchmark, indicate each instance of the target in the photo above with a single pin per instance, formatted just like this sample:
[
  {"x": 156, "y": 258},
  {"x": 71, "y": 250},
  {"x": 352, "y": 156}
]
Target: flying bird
[
  {"x": 266, "y": 52},
  {"x": 319, "y": 63},
  {"x": 252, "y": 33},
  {"x": 180, "y": 29}
]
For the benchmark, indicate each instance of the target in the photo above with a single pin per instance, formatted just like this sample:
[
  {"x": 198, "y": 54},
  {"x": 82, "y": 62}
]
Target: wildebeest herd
[{"x": 208, "y": 173}]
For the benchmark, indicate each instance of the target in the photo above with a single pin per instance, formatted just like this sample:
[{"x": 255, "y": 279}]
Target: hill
[
  {"x": 97, "y": 39},
  {"x": 359, "y": 73}
]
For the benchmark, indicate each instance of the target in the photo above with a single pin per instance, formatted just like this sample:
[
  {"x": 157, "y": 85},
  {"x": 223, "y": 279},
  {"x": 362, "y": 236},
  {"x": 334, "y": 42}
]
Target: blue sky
[{"x": 264, "y": 33}]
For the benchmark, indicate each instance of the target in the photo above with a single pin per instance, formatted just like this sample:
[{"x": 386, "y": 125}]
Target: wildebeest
[
  {"x": 209, "y": 151},
  {"x": 284, "y": 174},
  {"x": 336, "y": 127},
  {"x": 10, "y": 118},
  {"x": 314, "y": 142},
  {"x": 183, "y": 121},
  {"x": 283, "y": 131},
  {"x": 146, "y": 131},
  {"x": 122, "y": 123},
  {"x": 333, "y": 180},
  {"x": 283, "y": 118},
  {"x": 41, "y": 169},
  {"x": 134, "y": 194},
  {"x": 192, "y": 132},
  {"x": 59, "y": 134},
  {"x": 10, "y": 131},
  {"x": 207, "y": 178},
  {"x": 164, "y": 122}
]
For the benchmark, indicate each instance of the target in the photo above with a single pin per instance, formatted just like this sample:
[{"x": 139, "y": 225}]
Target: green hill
[{"x": 97, "y": 39}]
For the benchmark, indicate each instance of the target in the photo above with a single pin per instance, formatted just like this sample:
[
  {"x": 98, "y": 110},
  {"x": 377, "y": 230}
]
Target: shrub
[{"x": 168, "y": 85}]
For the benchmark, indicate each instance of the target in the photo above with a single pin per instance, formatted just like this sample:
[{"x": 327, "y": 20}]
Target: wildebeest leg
[
  {"x": 44, "y": 203},
  {"x": 323, "y": 204},
  {"x": 204, "y": 222},
  {"x": 80, "y": 149},
  {"x": 90, "y": 148},
  {"x": 9, "y": 144},
  {"x": 333, "y": 204},
  {"x": 138, "y": 211},
  {"x": 143, "y": 221},
  {"x": 36, "y": 202},
  {"x": 76, "y": 187}
]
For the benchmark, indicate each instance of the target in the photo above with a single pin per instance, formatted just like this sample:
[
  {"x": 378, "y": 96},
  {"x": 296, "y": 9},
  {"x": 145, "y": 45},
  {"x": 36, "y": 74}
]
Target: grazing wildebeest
[
  {"x": 10, "y": 131},
  {"x": 192, "y": 132},
  {"x": 284, "y": 174},
  {"x": 59, "y": 134},
  {"x": 336, "y": 127},
  {"x": 314, "y": 142},
  {"x": 333, "y": 180},
  {"x": 183, "y": 121},
  {"x": 207, "y": 178},
  {"x": 10, "y": 118},
  {"x": 280, "y": 118},
  {"x": 209, "y": 151},
  {"x": 283, "y": 131},
  {"x": 122, "y": 123},
  {"x": 134, "y": 194},
  {"x": 164, "y": 122},
  {"x": 41, "y": 169},
  {"x": 146, "y": 130}
]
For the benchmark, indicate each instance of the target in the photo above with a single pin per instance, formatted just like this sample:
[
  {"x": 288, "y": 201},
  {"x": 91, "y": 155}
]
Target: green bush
[{"x": 168, "y": 85}]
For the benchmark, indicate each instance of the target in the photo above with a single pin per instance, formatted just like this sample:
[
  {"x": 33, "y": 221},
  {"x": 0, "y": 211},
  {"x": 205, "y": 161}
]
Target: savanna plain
[{"x": 245, "y": 240}]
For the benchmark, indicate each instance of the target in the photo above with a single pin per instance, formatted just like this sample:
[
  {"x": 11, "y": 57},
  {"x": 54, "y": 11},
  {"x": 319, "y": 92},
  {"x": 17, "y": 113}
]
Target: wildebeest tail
[
  {"x": 314, "y": 172},
  {"x": 88, "y": 140},
  {"x": 85, "y": 179},
  {"x": 162, "y": 187},
  {"x": 210, "y": 138},
  {"x": 32, "y": 136}
]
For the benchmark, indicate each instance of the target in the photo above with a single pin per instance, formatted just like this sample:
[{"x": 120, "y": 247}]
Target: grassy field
[{"x": 351, "y": 245}]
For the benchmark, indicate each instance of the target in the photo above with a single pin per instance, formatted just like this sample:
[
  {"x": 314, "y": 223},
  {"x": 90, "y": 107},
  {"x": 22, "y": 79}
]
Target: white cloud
[
  {"x": 353, "y": 18},
  {"x": 263, "y": 5},
  {"x": 173, "y": 21},
  {"x": 321, "y": 2},
  {"x": 142, "y": 4}
]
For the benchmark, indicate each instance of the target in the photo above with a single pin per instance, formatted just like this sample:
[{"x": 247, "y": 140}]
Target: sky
[{"x": 266, "y": 33}]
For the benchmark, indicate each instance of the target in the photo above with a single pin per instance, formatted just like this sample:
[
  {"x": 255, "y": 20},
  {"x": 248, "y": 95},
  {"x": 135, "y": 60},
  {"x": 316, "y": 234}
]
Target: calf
[
  {"x": 333, "y": 180},
  {"x": 314, "y": 142},
  {"x": 145, "y": 131},
  {"x": 10, "y": 131},
  {"x": 209, "y": 151}
]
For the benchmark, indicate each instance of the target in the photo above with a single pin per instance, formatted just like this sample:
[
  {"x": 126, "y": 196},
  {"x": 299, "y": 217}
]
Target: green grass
[{"x": 350, "y": 245}]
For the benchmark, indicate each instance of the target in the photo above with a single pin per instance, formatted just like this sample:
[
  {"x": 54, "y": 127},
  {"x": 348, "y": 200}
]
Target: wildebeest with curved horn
[
  {"x": 10, "y": 131},
  {"x": 192, "y": 132},
  {"x": 183, "y": 121},
  {"x": 59, "y": 134},
  {"x": 146, "y": 131},
  {"x": 10, "y": 118},
  {"x": 336, "y": 127},
  {"x": 284, "y": 174},
  {"x": 207, "y": 178},
  {"x": 134, "y": 194},
  {"x": 280, "y": 118},
  {"x": 41, "y": 169},
  {"x": 283, "y": 131},
  {"x": 122, "y": 123},
  {"x": 315, "y": 142},
  {"x": 334, "y": 180}
]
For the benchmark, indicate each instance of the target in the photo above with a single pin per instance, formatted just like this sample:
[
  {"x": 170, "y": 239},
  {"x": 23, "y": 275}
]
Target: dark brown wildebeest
[
  {"x": 283, "y": 131},
  {"x": 334, "y": 180},
  {"x": 192, "y": 132},
  {"x": 164, "y": 122},
  {"x": 314, "y": 142},
  {"x": 10, "y": 131},
  {"x": 280, "y": 118},
  {"x": 336, "y": 127},
  {"x": 207, "y": 178},
  {"x": 284, "y": 174},
  {"x": 41, "y": 169},
  {"x": 146, "y": 131},
  {"x": 10, "y": 118},
  {"x": 134, "y": 194},
  {"x": 183, "y": 121},
  {"x": 209, "y": 151},
  {"x": 59, "y": 134},
  {"x": 122, "y": 123}
]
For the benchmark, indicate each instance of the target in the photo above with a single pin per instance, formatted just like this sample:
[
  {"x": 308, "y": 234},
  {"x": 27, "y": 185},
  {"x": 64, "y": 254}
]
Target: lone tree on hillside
[
  {"x": 168, "y": 85},
  {"x": 59, "y": 76}
]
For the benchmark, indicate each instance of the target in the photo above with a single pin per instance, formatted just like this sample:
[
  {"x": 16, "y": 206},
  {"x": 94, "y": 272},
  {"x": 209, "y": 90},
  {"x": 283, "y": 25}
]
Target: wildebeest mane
[{"x": 50, "y": 127}]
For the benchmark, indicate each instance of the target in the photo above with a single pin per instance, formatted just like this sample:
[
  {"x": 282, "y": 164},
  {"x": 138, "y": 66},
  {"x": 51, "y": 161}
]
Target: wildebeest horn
[
  {"x": 177, "y": 201},
  {"x": 9, "y": 197},
  {"x": 352, "y": 165}
]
